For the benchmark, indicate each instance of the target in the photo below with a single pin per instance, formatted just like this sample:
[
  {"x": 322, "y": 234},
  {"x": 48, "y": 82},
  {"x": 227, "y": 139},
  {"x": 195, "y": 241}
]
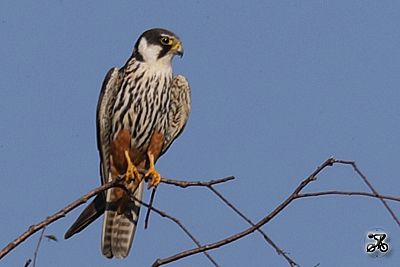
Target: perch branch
[
  {"x": 184, "y": 184},
  {"x": 56, "y": 216},
  {"x": 64, "y": 211}
]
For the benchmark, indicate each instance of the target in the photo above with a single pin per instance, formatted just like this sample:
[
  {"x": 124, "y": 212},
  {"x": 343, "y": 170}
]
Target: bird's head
[{"x": 158, "y": 45}]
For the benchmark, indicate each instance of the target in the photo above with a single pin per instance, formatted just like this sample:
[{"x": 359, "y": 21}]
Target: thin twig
[
  {"x": 73, "y": 205},
  {"x": 185, "y": 184},
  {"x": 37, "y": 246},
  {"x": 266, "y": 219},
  {"x": 146, "y": 220},
  {"x": 210, "y": 186},
  {"x": 175, "y": 220},
  {"x": 64, "y": 211},
  {"x": 295, "y": 195},
  {"x": 366, "y": 194},
  {"x": 366, "y": 181},
  {"x": 266, "y": 237},
  {"x": 27, "y": 263},
  {"x": 165, "y": 215},
  {"x": 56, "y": 216}
]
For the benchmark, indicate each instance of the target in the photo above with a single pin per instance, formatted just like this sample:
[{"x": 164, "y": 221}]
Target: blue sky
[{"x": 277, "y": 88}]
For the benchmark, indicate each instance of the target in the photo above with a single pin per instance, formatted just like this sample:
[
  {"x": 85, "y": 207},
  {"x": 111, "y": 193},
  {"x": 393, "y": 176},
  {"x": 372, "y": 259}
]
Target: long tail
[
  {"x": 120, "y": 222},
  {"x": 93, "y": 211}
]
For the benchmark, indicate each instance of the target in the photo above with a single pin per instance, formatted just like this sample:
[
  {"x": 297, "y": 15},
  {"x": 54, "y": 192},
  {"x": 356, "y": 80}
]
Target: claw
[
  {"x": 132, "y": 173},
  {"x": 155, "y": 175}
]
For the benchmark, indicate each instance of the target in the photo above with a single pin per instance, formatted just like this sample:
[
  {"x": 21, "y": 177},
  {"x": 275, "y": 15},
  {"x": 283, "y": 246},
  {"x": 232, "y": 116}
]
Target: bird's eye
[{"x": 166, "y": 41}]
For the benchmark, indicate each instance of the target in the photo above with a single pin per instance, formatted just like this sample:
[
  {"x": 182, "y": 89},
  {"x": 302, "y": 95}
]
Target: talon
[
  {"x": 155, "y": 175},
  {"x": 132, "y": 173}
]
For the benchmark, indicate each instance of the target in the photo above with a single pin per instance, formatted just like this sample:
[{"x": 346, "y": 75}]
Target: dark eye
[{"x": 165, "y": 40}]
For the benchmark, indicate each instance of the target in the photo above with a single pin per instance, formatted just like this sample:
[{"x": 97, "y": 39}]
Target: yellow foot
[
  {"x": 155, "y": 175},
  {"x": 131, "y": 171}
]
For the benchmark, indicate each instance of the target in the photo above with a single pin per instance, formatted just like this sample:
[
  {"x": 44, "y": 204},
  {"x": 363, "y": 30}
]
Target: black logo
[{"x": 379, "y": 247}]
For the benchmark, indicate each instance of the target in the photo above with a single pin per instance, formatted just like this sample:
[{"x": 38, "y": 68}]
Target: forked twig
[
  {"x": 366, "y": 181},
  {"x": 209, "y": 184},
  {"x": 56, "y": 216},
  {"x": 265, "y": 236},
  {"x": 250, "y": 230},
  {"x": 118, "y": 182},
  {"x": 175, "y": 220},
  {"x": 295, "y": 195},
  {"x": 73, "y": 205}
]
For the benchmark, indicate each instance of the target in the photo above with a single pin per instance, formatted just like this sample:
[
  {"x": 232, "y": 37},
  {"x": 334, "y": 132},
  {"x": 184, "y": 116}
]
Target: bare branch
[
  {"x": 185, "y": 184},
  {"x": 232, "y": 238},
  {"x": 64, "y": 211},
  {"x": 56, "y": 216},
  {"x": 366, "y": 194},
  {"x": 266, "y": 237},
  {"x": 209, "y": 185},
  {"x": 27, "y": 263},
  {"x": 146, "y": 220},
  {"x": 175, "y": 220},
  {"x": 366, "y": 181},
  {"x": 37, "y": 247},
  {"x": 296, "y": 194}
]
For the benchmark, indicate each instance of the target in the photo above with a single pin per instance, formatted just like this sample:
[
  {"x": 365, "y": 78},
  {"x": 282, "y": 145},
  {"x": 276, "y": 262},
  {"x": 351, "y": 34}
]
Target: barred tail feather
[{"x": 119, "y": 227}]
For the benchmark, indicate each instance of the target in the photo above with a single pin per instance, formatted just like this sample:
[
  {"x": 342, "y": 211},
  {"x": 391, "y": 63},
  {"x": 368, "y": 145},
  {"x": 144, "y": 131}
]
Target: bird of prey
[{"x": 142, "y": 109}]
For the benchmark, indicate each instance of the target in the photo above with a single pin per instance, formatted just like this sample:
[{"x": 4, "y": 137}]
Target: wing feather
[
  {"x": 104, "y": 112},
  {"x": 104, "y": 115},
  {"x": 179, "y": 110}
]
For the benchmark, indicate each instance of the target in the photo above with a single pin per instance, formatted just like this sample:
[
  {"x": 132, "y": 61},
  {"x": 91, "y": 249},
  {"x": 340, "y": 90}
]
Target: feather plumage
[{"x": 141, "y": 109}]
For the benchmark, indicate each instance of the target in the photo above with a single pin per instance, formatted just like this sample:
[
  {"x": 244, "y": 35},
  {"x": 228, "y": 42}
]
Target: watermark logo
[{"x": 377, "y": 243}]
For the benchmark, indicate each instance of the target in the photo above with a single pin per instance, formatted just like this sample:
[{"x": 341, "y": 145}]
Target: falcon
[{"x": 142, "y": 109}]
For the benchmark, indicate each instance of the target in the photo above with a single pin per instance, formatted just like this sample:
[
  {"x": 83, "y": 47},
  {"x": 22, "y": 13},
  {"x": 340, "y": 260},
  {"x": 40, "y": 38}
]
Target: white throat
[{"x": 150, "y": 54}]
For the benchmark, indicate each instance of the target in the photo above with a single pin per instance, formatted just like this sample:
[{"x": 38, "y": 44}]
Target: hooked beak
[{"x": 177, "y": 48}]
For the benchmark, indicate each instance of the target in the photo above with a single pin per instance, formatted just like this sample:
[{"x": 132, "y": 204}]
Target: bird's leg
[
  {"x": 131, "y": 170},
  {"x": 155, "y": 175}
]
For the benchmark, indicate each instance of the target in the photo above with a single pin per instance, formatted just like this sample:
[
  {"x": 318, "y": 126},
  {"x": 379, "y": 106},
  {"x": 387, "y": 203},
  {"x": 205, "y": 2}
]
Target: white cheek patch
[{"x": 148, "y": 51}]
